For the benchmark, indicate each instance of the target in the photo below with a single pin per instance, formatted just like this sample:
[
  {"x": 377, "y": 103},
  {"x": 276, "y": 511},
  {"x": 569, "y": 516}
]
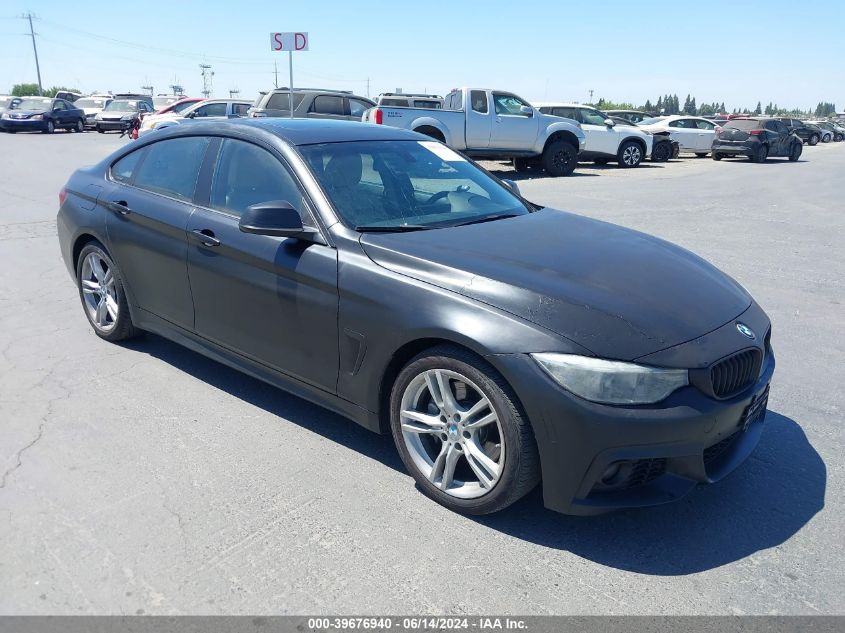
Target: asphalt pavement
[{"x": 144, "y": 478}]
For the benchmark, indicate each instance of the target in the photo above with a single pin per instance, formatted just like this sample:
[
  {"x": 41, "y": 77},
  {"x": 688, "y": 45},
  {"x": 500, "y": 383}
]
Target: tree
[
  {"x": 687, "y": 106},
  {"x": 648, "y": 107},
  {"x": 24, "y": 90},
  {"x": 759, "y": 108},
  {"x": 659, "y": 107}
]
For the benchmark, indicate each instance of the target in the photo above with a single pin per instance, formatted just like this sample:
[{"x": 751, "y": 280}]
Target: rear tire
[
  {"x": 795, "y": 152},
  {"x": 630, "y": 155},
  {"x": 507, "y": 460},
  {"x": 661, "y": 153},
  {"x": 521, "y": 165},
  {"x": 761, "y": 154},
  {"x": 813, "y": 140},
  {"x": 838, "y": 138},
  {"x": 560, "y": 158},
  {"x": 102, "y": 293}
]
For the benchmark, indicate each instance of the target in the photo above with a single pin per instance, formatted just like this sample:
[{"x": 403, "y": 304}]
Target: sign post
[{"x": 290, "y": 42}]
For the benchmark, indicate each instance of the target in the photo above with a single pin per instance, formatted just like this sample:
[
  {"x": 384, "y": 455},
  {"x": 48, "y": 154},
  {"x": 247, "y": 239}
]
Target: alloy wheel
[
  {"x": 631, "y": 155},
  {"x": 99, "y": 293},
  {"x": 452, "y": 433}
]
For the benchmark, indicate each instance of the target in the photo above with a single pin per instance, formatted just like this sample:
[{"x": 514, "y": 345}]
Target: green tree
[
  {"x": 759, "y": 108},
  {"x": 24, "y": 90}
]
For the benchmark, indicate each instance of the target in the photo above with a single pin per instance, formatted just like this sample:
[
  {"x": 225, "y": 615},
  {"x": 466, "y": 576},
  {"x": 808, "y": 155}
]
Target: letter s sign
[{"x": 276, "y": 42}]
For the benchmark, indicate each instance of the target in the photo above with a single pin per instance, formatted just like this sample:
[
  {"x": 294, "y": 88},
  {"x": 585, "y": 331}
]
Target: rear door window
[
  {"x": 171, "y": 167},
  {"x": 123, "y": 169},
  {"x": 210, "y": 109},
  {"x": 358, "y": 107},
  {"x": 327, "y": 104},
  {"x": 479, "y": 101},
  {"x": 568, "y": 113}
]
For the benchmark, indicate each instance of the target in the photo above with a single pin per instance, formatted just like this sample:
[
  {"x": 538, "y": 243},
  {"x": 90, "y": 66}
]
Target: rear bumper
[
  {"x": 735, "y": 148},
  {"x": 596, "y": 458}
]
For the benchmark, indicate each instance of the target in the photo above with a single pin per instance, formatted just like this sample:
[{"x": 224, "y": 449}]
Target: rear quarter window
[{"x": 171, "y": 167}]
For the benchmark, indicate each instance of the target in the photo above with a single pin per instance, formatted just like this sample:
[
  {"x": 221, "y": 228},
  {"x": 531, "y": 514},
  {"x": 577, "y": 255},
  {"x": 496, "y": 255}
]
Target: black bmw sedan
[{"x": 384, "y": 276}]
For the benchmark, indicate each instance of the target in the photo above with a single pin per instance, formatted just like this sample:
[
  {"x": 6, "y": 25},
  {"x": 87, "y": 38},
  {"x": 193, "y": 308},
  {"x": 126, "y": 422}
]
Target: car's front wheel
[
  {"x": 103, "y": 295},
  {"x": 560, "y": 158},
  {"x": 461, "y": 433},
  {"x": 630, "y": 154},
  {"x": 661, "y": 152},
  {"x": 80, "y": 126},
  {"x": 826, "y": 138},
  {"x": 49, "y": 128},
  {"x": 716, "y": 156},
  {"x": 813, "y": 140}
]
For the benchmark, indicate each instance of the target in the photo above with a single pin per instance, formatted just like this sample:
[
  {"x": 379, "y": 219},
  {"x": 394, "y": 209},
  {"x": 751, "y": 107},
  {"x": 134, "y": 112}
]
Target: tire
[
  {"x": 716, "y": 156},
  {"x": 50, "y": 128},
  {"x": 661, "y": 152},
  {"x": 701, "y": 154},
  {"x": 813, "y": 140},
  {"x": 521, "y": 165},
  {"x": 80, "y": 126},
  {"x": 102, "y": 294},
  {"x": 760, "y": 154},
  {"x": 630, "y": 155},
  {"x": 492, "y": 465},
  {"x": 795, "y": 152},
  {"x": 838, "y": 138},
  {"x": 101, "y": 131},
  {"x": 826, "y": 138},
  {"x": 560, "y": 158}
]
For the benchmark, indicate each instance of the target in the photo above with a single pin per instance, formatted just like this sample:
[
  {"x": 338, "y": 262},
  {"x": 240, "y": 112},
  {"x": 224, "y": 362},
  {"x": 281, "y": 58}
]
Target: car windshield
[
  {"x": 384, "y": 185},
  {"x": 90, "y": 103},
  {"x": 160, "y": 102},
  {"x": 652, "y": 120},
  {"x": 39, "y": 105},
  {"x": 122, "y": 106}
]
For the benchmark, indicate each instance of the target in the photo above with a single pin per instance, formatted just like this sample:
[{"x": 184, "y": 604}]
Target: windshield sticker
[{"x": 442, "y": 152}]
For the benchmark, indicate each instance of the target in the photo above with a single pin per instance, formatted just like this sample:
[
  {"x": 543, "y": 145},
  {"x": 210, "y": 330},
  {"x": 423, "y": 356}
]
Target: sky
[{"x": 734, "y": 52}]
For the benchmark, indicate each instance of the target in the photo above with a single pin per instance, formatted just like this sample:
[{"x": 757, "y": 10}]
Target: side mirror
[
  {"x": 526, "y": 110},
  {"x": 510, "y": 184},
  {"x": 277, "y": 218},
  {"x": 609, "y": 122},
  {"x": 191, "y": 115}
]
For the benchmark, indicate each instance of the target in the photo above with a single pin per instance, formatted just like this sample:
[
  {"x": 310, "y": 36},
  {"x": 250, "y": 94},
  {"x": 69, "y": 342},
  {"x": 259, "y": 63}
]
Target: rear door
[
  {"x": 150, "y": 199},
  {"x": 686, "y": 133},
  {"x": 478, "y": 120},
  {"x": 706, "y": 134},
  {"x": 601, "y": 138},
  {"x": 356, "y": 108},
  {"x": 211, "y": 111},
  {"x": 327, "y": 106},
  {"x": 512, "y": 129},
  {"x": 271, "y": 299}
]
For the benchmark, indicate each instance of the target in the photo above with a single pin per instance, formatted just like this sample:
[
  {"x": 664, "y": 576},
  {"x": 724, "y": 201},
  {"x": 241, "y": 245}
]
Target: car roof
[
  {"x": 560, "y": 104},
  {"x": 299, "y": 131}
]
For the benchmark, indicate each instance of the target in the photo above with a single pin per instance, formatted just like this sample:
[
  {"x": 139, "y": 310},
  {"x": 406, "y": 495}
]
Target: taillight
[
  {"x": 379, "y": 116},
  {"x": 62, "y": 196},
  {"x": 756, "y": 132}
]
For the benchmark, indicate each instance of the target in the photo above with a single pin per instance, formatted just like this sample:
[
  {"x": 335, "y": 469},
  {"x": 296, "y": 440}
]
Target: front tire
[
  {"x": 80, "y": 126},
  {"x": 826, "y": 138},
  {"x": 716, "y": 156},
  {"x": 630, "y": 154},
  {"x": 461, "y": 432},
  {"x": 521, "y": 165},
  {"x": 560, "y": 158},
  {"x": 813, "y": 140},
  {"x": 49, "y": 128},
  {"x": 102, "y": 294},
  {"x": 661, "y": 152}
]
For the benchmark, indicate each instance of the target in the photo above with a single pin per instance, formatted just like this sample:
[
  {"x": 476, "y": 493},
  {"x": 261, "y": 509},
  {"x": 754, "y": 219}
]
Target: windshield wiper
[
  {"x": 402, "y": 228},
  {"x": 488, "y": 218}
]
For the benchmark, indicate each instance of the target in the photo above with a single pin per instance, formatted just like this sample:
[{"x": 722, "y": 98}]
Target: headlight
[
  {"x": 6, "y": 115},
  {"x": 127, "y": 117},
  {"x": 610, "y": 381},
  {"x": 36, "y": 117}
]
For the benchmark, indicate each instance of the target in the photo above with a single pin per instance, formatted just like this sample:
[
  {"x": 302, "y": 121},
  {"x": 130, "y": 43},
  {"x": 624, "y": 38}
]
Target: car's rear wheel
[
  {"x": 795, "y": 152},
  {"x": 80, "y": 126},
  {"x": 630, "y": 154},
  {"x": 102, "y": 293},
  {"x": 560, "y": 158},
  {"x": 813, "y": 140},
  {"x": 522, "y": 165},
  {"x": 760, "y": 154},
  {"x": 49, "y": 128},
  {"x": 661, "y": 152},
  {"x": 461, "y": 433},
  {"x": 838, "y": 138}
]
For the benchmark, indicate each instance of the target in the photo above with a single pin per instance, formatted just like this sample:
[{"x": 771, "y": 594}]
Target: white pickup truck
[{"x": 495, "y": 125}]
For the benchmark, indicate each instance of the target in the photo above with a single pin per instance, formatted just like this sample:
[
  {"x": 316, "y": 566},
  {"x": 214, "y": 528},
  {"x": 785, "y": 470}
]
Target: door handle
[
  {"x": 206, "y": 237},
  {"x": 120, "y": 206}
]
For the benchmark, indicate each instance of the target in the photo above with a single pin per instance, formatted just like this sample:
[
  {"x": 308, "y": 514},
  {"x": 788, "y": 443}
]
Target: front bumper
[
  {"x": 662, "y": 450},
  {"x": 110, "y": 126},
  {"x": 23, "y": 124}
]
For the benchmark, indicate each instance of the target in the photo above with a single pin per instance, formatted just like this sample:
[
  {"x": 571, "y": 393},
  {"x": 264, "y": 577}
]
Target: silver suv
[{"x": 312, "y": 103}]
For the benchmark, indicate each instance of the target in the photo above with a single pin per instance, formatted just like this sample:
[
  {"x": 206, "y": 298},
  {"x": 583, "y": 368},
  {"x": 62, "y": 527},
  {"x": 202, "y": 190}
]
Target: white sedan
[
  {"x": 209, "y": 109},
  {"x": 694, "y": 134}
]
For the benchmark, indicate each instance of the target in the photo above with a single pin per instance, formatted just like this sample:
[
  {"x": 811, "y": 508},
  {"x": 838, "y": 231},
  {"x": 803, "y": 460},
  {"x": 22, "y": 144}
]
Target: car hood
[
  {"x": 617, "y": 292},
  {"x": 25, "y": 114}
]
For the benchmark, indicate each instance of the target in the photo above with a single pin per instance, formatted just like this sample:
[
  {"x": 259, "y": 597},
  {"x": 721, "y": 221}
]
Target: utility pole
[
  {"x": 591, "y": 95},
  {"x": 28, "y": 16},
  {"x": 177, "y": 89},
  {"x": 150, "y": 88},
  {"x": 275, "y": 74},
  {"x": 207, "y": 79},
  {"x": 368, "y": 86},
  {"x": 234, "y": 92}
]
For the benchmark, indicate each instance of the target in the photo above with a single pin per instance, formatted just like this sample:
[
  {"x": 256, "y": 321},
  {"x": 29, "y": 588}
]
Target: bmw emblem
[{"x": 745, "y": 331}]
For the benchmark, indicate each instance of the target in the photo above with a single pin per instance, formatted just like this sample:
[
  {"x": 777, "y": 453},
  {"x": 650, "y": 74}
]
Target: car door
[
  {"x": 271, "y": 299},
  {"x": 150, "y": 198},
  {"x": 706, "y": 134},
  {"x": 780, "y": 136},
  {"x": 479, "y": 122},
  {"x": 327, "y": 107},
  {"x": 59, "y": 113},
  {"x": 685, "y": 132},
  {"x": 512, "y": 128},
  {"x": 239, "y": 110},
  {"x": 601, "y": 138},
  {"x": 356, "y": 108}
]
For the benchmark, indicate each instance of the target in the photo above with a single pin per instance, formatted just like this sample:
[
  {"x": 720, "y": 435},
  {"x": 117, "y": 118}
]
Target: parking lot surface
[{"x": 144, "y": 478}]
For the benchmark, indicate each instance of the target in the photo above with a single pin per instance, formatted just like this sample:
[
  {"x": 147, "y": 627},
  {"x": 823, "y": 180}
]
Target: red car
[{"x": 178, "y": 106}]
